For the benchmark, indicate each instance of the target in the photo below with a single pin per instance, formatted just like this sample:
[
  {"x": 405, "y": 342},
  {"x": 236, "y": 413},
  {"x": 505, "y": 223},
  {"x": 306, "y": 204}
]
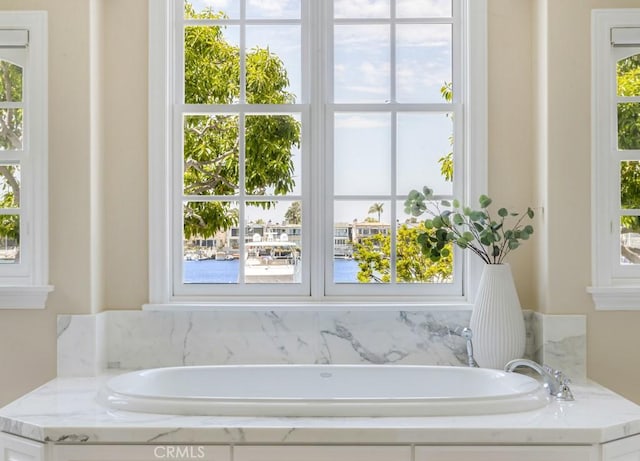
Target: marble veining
[
  {"x": 563, "y": 343},
  {"x": 65, "y": 411},
  {"x": 88, "y": 344}
]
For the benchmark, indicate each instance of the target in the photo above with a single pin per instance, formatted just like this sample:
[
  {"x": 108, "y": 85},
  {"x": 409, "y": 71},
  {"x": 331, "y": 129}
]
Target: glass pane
[
  {"x": 361, "y": 8},
  {"x": 210, "y": 155},
  {"x": 362, "y": 153},
  {"x": 424, "y": 62},
  {"x": 630, "y": 185},
  {"x": 266, "y": 9},
  {"x": 9, "y": 239},
  {"x": 11, "y": 129},
  {"x": 361, "y": 242},
  {"x": 273, "y": 64},
  {"x": 425, "y": 152},
  {"x": 9, "y": 186},
  {"x": 10, "y": 82},
  {"x": 362, "y": 68},
  {"x": 412, "y": 266},
  {"x": 209, "y": 9},
  {"x": 211, "y": 65},
  {"x": 273, "y": 154},
  {"x": 629, "y": 125},
  {"x": 629, "y": 76},
  {"x": 211, "y": 250},
  {"x": 423, "y": 8},
  {"x": 630, "y": 240},
  {"x": 273, "y": 246}
]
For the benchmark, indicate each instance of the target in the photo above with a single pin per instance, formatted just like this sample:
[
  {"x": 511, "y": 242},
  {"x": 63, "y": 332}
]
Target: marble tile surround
[{"x": 89, "y": 344}]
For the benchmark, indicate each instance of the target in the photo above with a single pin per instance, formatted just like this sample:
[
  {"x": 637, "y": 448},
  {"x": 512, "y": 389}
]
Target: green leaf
[
  {"x": 503, "y": 212},
  {"x": 496, "y": 251},
  {"x": 484, "y": 201},
  {"x": 458, "y": 220},
  {"x": 456, "y": 203},
  {"x": 441, "y": 235},
  {"x": 428, "y": 193},
  {"x": 530, "y": 213},
  {"x": 528, "y": 229},
  {"x": 477, "y": 216},
  {"x": 513, "y": 244},
  {"x": 446, "y": 203},
  {"x": 467, "y": 236}
]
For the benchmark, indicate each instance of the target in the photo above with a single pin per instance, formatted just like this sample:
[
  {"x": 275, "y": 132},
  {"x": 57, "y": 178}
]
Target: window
[
  {"x": 23, "y": 160},
  {"x": 285, "y": 136},
  {"x": 616, "y": 159}
]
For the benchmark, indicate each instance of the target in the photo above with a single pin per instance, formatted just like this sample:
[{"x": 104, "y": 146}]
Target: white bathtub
[{"x": 323, "y": 390}]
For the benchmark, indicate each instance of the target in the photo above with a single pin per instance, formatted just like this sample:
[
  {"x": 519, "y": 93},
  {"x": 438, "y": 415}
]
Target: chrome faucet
[
  {"x": 554, "y": 380},
  {"x": 467, "y": 334}
]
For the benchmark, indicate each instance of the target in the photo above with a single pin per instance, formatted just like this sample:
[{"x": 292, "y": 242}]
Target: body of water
[{"x": 211, "y": 271}]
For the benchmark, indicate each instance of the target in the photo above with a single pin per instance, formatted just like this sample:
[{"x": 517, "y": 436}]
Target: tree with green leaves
[
  {"x": 293, "y": 214},
  {"x": 10, "y": 139},
  {"x": 412, "y": 265},
  {"x": 212, "y": 142},
  {"x": 628, "y": 76}
]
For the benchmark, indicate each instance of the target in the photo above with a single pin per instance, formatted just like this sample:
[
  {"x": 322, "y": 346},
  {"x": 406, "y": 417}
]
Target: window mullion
[
  {"x": 318, "y": 113},
  {"x": 242, "y": 238}
]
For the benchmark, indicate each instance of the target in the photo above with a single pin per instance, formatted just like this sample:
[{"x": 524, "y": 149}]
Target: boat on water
[{"x": 272, "y": 260}]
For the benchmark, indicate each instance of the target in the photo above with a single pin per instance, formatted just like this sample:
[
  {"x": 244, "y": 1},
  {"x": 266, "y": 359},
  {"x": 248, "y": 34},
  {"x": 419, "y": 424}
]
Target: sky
[{"x": 362, "y": 141}]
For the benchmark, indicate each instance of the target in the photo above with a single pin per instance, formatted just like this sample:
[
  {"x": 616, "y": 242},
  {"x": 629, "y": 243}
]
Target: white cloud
[
  {"x": 274, "y": 8},
  {"x": 217, "y": 4},
  {"x": 381, "y": 8},
  {"x": 424, "y": 36},
  {"x": 423, "y": 8},
  {"x": 422, "y": 80},
  {"x": 361, "y": 122},
  {"x": 361, "y": 8},
  {"x": 365, "y": 80}
]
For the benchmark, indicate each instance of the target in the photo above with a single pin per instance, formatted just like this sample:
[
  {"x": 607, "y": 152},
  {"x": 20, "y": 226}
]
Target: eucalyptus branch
[{"x": 475, "y": 230}]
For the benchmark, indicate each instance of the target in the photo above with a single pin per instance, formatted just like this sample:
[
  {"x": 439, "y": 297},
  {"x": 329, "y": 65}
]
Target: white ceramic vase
[{"x": 496, "y": 321}]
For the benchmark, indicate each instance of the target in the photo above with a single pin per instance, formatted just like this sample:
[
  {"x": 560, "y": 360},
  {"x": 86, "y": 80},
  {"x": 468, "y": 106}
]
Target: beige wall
[
  {"x": 540, "y": 56},
  {"x": 27, "y": 338},
  {"x": 539, "y": 130},
  {"x": 612, "y": 339}
]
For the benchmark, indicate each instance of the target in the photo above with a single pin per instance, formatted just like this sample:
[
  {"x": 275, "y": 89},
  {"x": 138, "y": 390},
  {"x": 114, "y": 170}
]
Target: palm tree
[{"x": 376, "y": 208}]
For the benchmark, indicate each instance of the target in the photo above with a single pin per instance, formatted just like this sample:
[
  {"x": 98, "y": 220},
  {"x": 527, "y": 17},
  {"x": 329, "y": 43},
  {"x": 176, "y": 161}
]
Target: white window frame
[
  {"x": 25, "y": 284},
  {"x": 614, "y": 286},
  {"x": 473, "y": 56}
]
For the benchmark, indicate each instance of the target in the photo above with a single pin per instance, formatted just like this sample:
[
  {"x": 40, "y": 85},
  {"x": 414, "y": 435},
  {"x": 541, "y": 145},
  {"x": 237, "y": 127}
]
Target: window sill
[
  {"x": 306, "y": 306},
  {"x": 623, "y": 298},
  {"x": 24, "y": 297}
]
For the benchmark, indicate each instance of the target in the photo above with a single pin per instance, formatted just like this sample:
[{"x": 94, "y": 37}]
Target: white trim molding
[
  {"x": 166, "y": 105},
  {"x": 25, "y": 283},
  {"x": 615, "y": 286}
]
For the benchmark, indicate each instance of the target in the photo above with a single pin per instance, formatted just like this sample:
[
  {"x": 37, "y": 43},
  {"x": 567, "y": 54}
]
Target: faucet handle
[
  {"x": 561, "y": 377},
  {"x": 564, "y": 392},
  {"x": 548, "y": 369}
]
